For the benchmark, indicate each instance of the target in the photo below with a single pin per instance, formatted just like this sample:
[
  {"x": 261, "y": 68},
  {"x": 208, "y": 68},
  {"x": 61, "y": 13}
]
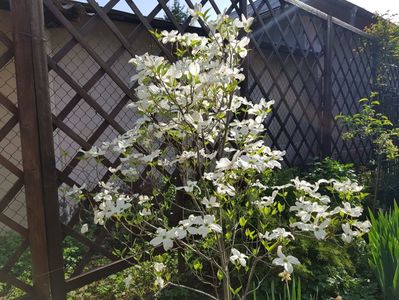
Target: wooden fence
[{"x": 65, "y": 83}]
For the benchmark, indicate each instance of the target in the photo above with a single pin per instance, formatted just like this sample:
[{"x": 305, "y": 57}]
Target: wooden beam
[
  {"x": 324, "y": 16},
  {"x": 16, "y": 282},
  {"x": 245, "y": 62},
  {"x": 9, "y": 196},
  {"x": 44, "y": 228},
  {"x": 327, "y": 117}
]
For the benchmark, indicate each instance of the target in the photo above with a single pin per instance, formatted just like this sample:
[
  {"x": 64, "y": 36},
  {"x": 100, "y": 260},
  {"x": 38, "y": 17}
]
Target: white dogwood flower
[
  {"x": 143, "y": 199},
  {"x": 189, "y": 187},
  {"x": 163, "y": 237},
  {"x": 348, "y": 234},
  {"x": 319, "y": 230},
  {"x": 195, "y": 13},
  {"x": 194, "y": 69},
  {"x": 159, "y": 267},
  {"x": 355, "y": 211},
  {"x": 208, "y": 224},
  {"x": 362, "y": 226},
  {"x": 159, "y": 282},
  {"x": 238, "y": 256},
  {"x": 278, "y": 233},
  {"x": 93, "y": 152},
  {"x": 145, "y": 212},
  {"x": 244, "y": 23},
  {"x": 211, "y": 203},
  {"x": 266, "y": 200},
  {"x": 347, "y": 186},
  {"x": 76, "y": 190},
  {"x": 84, "y": 228},
  {"x": 286, "y": 261},
  {"x": 128, "y": 281}
]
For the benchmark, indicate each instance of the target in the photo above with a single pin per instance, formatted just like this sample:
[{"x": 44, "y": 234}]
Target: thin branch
[{"x": 192, "y": 289}]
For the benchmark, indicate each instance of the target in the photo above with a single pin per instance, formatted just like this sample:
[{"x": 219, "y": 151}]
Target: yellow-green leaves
[
  {"x": 220, "y": 275},
  {"x": 197, "y": 265},
  {"x": 242, "y": 221},
  {"x": 280, "y": 207}
]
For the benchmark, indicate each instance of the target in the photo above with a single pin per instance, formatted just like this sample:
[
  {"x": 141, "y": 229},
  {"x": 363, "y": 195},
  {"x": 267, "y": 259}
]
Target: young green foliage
[{"x": 374, "y": 127}]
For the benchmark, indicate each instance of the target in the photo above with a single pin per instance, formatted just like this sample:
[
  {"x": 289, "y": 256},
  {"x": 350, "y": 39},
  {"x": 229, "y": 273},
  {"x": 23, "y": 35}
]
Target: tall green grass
[
  {"x": 384, "y": 246},
  {"x": 290, "y": 292}
]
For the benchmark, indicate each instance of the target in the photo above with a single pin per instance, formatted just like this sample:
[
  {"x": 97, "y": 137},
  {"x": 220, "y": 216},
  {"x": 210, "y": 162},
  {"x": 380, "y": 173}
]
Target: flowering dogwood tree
[{"x": 204, "y": 145}]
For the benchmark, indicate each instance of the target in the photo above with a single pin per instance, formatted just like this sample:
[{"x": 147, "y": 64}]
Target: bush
[{"x": 329, "y": 268}]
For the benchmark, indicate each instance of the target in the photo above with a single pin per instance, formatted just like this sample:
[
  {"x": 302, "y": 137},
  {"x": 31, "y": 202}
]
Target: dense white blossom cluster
[
  {"x": 193, "y": 106},
  {"x": 194, "y": 225}
]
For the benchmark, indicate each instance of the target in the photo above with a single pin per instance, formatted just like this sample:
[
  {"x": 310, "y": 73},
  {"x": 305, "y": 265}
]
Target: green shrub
[
  {"x": 22, "y": 270},
  {"x": 330, "y": 268},
  {"x": 329, "y": 168}
]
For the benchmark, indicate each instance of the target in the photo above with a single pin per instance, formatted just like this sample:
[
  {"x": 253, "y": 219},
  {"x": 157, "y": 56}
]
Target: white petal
[
  {"x": 320, "y": 234},
  {"x": 156, "y": 241},
  {"x": 243, "y": 262},
  {"x": 215, "y": 227},
  {"x": 288, "y": 267},
  {"x": 278, "y": 261},
  {"x": 167, "y": 244},
  {"x": 194, "y": 69},
  {"x": 279, "y": 252},
  {"x": 293, "y": 260},
  {"x": 84, "y": 229}
]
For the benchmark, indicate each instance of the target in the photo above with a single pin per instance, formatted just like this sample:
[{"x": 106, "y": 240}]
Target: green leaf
[
  {"x": 220, "y": 275},
  {"x": 235, "y": 291},
  {"x": 266, "y": 210},
  {"x": 242, "y": 221},
  {"x": 250, "y": 234},
  {"x": 197, "y": 265},
  {"x": 255, "y": 251},
  {"x": 396, "y": 278}
]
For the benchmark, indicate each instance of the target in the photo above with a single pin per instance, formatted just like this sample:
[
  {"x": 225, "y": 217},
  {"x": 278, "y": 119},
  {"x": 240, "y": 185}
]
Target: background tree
[
  {"x": 178, "y": 11},
  {"x": 385, "y": 45}
]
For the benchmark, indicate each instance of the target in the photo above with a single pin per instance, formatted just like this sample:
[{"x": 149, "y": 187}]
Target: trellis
[{"x": 312, "y": 64}]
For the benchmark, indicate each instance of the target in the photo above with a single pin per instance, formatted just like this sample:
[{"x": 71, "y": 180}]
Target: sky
[
  {"x": 380, "y": 6},
  {"x": 146, "y": 6}
]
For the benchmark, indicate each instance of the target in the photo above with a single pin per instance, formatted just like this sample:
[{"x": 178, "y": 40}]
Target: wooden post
[
  {"x": 327, "y": 117},
  {"x": 244, "y": 84},
  {"x": 36, "y": 130}
]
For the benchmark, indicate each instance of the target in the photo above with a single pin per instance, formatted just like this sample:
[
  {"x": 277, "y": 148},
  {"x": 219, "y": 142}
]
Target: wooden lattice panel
[
  {"x": 286, "y": 65},
  {"x": 352, "y": 79},
  {"x": 90, "y": 88}
]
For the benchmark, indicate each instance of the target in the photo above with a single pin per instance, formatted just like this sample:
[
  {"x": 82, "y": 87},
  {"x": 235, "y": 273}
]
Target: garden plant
[
  {"x": 209, "y": 200},
  {"x": 384, "y": 245}
]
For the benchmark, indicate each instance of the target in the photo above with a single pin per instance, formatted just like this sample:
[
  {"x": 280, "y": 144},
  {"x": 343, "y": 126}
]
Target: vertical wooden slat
[
  {"x": 245, "y": 63},
  {"x": 327, "y": 117},
  {"x": 38, "y": 149}
]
